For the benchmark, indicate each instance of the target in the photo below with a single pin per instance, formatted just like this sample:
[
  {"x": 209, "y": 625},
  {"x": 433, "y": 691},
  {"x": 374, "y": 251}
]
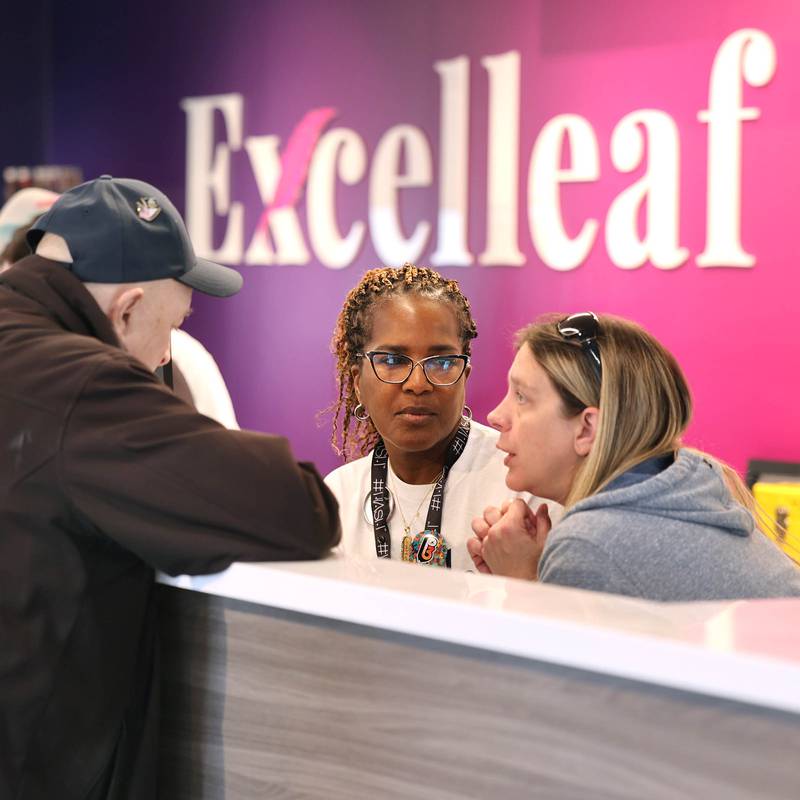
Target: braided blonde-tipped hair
[{"x": 350, "y": 436}]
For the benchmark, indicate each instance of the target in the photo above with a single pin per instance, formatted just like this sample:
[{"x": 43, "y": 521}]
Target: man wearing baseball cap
[{"x": 107, "y": 476}]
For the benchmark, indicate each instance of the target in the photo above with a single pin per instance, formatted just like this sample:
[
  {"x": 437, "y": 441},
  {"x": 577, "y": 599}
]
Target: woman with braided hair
[{"x": 423, "y": 468}]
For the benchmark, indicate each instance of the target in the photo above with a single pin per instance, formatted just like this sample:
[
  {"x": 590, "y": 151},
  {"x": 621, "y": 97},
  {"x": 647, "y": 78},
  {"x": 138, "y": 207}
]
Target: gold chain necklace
[{"x": 407, "y": 525}]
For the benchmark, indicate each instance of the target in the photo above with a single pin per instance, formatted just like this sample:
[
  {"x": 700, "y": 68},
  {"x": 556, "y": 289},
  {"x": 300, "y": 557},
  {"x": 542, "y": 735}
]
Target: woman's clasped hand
[{"x": 510, "y": 538}]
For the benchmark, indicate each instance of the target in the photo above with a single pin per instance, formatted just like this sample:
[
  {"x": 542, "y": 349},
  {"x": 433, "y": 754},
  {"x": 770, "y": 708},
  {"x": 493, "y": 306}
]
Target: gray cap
[{"x": 120, "y": 230}]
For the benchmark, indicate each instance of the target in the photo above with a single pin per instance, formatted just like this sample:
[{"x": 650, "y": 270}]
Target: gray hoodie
[{"x": 676, "y": 535}]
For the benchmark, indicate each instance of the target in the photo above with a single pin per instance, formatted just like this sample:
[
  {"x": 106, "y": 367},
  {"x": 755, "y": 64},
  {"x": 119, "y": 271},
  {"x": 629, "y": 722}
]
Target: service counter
[{"x": 348, "y": 679}]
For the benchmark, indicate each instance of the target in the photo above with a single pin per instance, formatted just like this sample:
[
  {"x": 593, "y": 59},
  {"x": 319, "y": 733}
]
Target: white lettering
[
  {"x": 658, "y": 188},
  {"x": 642, "y": 223},
  {"x": 391, "y": 244},
  {"x": 748, "y": 54},
  {"x": 342, "y": 148},
  {"x": 550, "y": 238},
  {"x": 502, "y": 246},
  {"x": 208, "y": 175},
  {"x": 282, "y": 223},
  {"x": 452, "y": 249}
]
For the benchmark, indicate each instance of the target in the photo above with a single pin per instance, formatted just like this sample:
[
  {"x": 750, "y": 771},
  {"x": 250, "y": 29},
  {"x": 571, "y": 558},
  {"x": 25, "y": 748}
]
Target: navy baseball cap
[{"x": 120, "y": 230}]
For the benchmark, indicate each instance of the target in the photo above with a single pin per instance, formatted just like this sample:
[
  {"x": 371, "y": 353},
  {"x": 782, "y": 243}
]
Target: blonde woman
[{"x": 593, "y": 419}]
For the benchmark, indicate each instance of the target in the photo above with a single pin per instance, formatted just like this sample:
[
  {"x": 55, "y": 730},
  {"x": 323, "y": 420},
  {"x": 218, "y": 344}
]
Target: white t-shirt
[{"x": 476, "y": 480}]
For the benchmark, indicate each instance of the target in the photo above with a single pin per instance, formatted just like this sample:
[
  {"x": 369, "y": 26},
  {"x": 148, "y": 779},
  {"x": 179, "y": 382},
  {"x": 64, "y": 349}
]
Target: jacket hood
[
  {"x": 692, "y": 489},
  {"x": 55, "y": 293}
]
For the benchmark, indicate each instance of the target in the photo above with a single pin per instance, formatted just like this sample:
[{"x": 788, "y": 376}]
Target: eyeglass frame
[
  {"x": 414, "y": 364},
  {"x": 586, "y": 339}
]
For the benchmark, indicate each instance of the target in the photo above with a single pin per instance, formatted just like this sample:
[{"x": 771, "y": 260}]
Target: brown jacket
[{"x": 106, "y": 476}]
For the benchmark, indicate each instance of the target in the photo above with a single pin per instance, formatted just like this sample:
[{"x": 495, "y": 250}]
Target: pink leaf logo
[{"x": 296, "y": 159}]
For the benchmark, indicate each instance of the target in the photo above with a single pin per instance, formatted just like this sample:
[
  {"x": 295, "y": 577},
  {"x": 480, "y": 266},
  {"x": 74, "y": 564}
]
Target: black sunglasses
[{"x": 584, "y": 328}]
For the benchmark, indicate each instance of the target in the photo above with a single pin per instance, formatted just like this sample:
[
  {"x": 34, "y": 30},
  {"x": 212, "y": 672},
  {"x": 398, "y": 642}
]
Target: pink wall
[{"x": 732, "y": 328}]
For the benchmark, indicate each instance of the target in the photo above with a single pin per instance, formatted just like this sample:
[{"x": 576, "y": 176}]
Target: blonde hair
[
  {"x": 644, "y": 400},
  {"x": 763, "y": 520}
]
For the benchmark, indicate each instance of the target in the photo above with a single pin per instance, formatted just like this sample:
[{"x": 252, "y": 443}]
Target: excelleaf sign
[{"x": 316, "y": 159}]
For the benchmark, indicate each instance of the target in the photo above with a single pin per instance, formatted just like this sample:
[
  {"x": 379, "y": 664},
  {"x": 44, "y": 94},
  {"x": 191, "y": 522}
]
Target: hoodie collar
[
  {"x": 692, "y": 489},
  {"x": 61, "y": 295},
  {"x": 640, "y": 472}
]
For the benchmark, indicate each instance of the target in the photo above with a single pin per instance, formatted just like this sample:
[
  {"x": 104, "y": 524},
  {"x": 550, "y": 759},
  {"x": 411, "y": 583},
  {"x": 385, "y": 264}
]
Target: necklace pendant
[
  {"x": 406, "y": 553},
  {"x": 428, "y": 547}
]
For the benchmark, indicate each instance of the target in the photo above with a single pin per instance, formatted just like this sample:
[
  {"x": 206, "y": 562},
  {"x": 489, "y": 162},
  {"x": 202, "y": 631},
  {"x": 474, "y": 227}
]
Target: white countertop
[{"x": 745, "y": 650}]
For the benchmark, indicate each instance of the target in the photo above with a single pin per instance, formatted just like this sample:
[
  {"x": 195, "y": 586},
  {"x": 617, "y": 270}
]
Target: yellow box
[{"x": 781, "y": 502}]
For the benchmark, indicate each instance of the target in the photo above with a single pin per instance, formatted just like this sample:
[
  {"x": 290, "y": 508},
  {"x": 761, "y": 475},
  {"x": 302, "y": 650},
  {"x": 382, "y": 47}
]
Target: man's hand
[{"x": 509, "y": 540}]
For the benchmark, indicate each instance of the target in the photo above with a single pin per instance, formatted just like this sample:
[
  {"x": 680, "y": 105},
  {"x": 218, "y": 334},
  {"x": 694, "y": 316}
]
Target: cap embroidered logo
[{"x": 147, "y": 208}]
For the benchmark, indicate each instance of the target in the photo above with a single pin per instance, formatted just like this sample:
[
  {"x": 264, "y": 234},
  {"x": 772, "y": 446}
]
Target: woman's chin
[
  {"x": 416, "y": 438},
  {"x": 517, "y": 483},
  {"x": 514, "y": 483}
]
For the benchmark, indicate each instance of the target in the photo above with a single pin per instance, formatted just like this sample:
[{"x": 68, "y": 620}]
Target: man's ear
[
  {"x": 586, "y": 430},
  {"x": 121, "y": 309}
]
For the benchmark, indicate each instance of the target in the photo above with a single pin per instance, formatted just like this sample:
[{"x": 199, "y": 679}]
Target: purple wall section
[
  {"x": 25, "y": 64},
  {"x": 120, "y": 72}
]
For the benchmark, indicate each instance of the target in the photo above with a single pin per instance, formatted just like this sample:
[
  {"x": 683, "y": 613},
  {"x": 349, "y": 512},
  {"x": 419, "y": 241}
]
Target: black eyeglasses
[
  {"x": 584, "y": 328},
  {"x": 397, "y": 368}
]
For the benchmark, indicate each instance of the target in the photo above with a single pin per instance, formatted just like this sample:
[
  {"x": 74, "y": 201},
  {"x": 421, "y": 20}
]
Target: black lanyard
[{"x": 379, "y": 498}]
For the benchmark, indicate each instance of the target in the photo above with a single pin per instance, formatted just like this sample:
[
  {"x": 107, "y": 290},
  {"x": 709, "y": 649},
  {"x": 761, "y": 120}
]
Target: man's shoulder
[
  {"x": 115, "y": 384},
  {"x": 84, "y": 357},
  {"x": 50, "y": 367},
  {"x": 65, "y": 373}
]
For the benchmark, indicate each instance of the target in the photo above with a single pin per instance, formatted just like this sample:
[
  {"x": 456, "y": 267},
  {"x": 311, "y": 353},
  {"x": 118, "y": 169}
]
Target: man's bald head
[{"x": 142, "y": 314}]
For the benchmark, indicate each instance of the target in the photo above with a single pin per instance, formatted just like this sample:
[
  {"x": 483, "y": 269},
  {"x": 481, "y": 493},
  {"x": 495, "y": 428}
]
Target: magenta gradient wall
[{"x": 119, "y": 109}]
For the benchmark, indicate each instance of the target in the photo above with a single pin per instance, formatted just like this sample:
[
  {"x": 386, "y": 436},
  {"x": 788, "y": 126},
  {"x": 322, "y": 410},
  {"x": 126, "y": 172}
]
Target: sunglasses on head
[{"x": 584, "y": 328}]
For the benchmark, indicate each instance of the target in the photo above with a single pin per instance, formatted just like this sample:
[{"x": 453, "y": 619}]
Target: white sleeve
[{"x": 205, "y": 381}]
